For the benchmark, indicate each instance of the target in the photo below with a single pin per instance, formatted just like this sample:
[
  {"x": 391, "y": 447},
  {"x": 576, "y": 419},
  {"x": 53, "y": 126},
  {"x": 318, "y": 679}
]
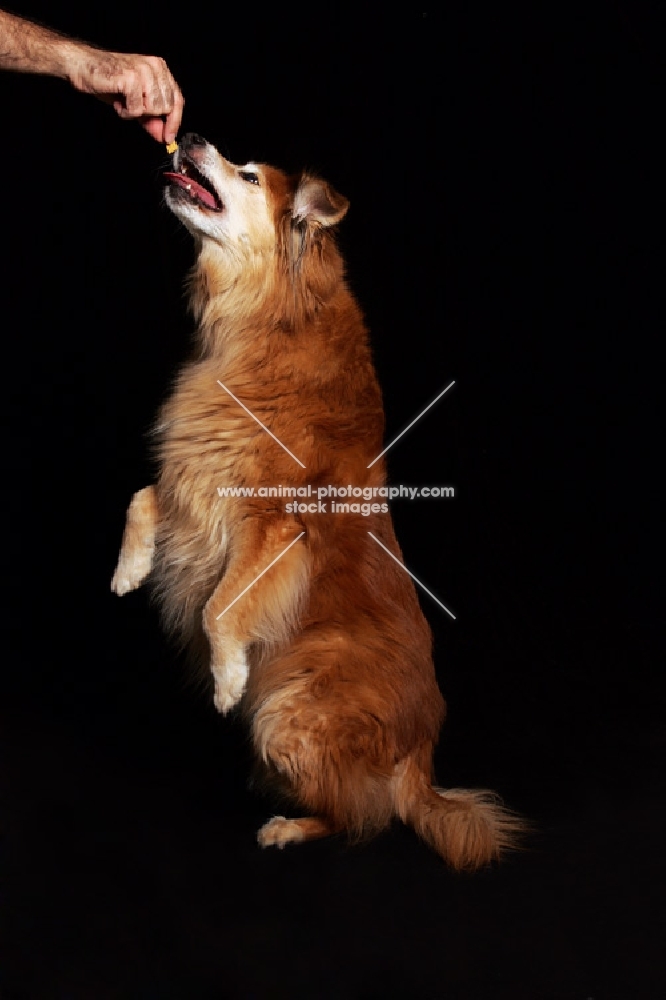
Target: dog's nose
[{"x": 192, "y": 139}]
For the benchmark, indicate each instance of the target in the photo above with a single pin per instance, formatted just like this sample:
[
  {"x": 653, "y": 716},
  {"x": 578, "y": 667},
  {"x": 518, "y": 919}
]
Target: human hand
[{"x": 139, "y": 87}]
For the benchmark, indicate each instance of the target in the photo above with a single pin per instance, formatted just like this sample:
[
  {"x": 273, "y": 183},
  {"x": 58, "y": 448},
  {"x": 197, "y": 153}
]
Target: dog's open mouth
[{"x": 192, "y": 185}]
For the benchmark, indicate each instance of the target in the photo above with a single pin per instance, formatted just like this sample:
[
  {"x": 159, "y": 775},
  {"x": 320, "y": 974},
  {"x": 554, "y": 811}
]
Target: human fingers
[
  {"x": 174, "y": 117},
  {"x": 158, "y": 85},
  {"x": 130, "y": 85}
]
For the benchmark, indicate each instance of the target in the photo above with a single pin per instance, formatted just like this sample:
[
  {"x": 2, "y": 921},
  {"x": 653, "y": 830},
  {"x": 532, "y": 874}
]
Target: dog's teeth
[
  {"x": 182, "y": 170},
  {"x": 189, "y": 187}
]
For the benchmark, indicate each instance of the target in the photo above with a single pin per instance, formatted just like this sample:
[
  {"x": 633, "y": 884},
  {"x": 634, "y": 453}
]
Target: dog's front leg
[
  {"x": 253, "y": 602},
  {"x": 136, "y": 552}
]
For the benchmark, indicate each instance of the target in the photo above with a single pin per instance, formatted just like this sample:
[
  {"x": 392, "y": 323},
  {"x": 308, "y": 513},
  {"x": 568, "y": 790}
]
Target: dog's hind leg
[
  {"x": 258, "y": 599},
  {"x": 280, "y": 831},
  {"x": 136, "y": 552}
]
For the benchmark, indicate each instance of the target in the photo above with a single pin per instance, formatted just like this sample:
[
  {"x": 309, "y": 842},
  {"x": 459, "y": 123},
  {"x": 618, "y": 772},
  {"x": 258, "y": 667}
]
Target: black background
[{"x": 502, "y": 173}]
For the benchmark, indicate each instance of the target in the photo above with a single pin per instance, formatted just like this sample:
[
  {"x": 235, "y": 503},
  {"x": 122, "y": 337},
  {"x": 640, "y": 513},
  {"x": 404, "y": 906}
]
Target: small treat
[{"x": 172, "y": 147}]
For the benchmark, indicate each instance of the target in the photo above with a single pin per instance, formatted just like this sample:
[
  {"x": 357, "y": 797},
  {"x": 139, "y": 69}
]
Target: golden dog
[{"x": 326, "y": 652}]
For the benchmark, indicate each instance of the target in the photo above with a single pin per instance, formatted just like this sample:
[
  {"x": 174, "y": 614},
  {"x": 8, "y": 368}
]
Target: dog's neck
[{"x": 234, "y": 295}]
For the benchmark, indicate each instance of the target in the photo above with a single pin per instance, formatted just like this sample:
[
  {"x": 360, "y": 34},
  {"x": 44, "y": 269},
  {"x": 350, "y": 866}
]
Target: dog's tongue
[{"x": 191, "y": 186}]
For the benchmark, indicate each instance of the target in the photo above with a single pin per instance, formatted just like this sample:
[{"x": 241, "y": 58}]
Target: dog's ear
[{"x": 316, "y": 201}]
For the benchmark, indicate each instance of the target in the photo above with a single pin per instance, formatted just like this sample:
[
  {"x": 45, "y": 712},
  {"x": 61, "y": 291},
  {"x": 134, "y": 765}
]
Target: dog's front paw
[
  {"x": 230, "y": 681},
  {"x": 132, "y": 570}
]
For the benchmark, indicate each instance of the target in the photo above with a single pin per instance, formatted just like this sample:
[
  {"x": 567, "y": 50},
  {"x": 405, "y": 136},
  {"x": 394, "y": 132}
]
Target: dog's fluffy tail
[{"x": 469, "y": 829}]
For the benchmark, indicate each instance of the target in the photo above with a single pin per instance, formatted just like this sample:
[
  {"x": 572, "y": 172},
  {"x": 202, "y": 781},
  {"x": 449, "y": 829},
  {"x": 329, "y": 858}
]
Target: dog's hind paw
[{"x": 280, "y": 831}]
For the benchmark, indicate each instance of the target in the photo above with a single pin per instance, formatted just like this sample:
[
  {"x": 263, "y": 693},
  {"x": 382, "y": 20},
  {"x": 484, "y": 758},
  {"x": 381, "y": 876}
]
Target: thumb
[{"x": 154, "y": 127}]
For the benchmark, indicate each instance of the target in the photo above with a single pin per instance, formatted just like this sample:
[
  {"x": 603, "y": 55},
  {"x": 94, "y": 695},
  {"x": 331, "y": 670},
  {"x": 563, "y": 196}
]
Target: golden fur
[{"x": 328, "y": 654}]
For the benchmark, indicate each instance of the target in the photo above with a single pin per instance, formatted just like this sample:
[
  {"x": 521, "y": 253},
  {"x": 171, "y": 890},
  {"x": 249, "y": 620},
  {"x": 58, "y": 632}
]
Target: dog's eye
[{"x": 249, "y": 176}]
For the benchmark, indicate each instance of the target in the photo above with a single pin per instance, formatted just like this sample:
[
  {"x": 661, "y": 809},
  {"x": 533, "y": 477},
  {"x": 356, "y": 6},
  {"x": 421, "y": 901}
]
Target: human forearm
[{"x": 29, "y": 48}]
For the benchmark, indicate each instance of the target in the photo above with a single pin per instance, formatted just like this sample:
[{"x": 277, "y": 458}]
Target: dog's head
[
  {"x": 265, "y": 238},
  {"x": 244, "y": 207}
]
